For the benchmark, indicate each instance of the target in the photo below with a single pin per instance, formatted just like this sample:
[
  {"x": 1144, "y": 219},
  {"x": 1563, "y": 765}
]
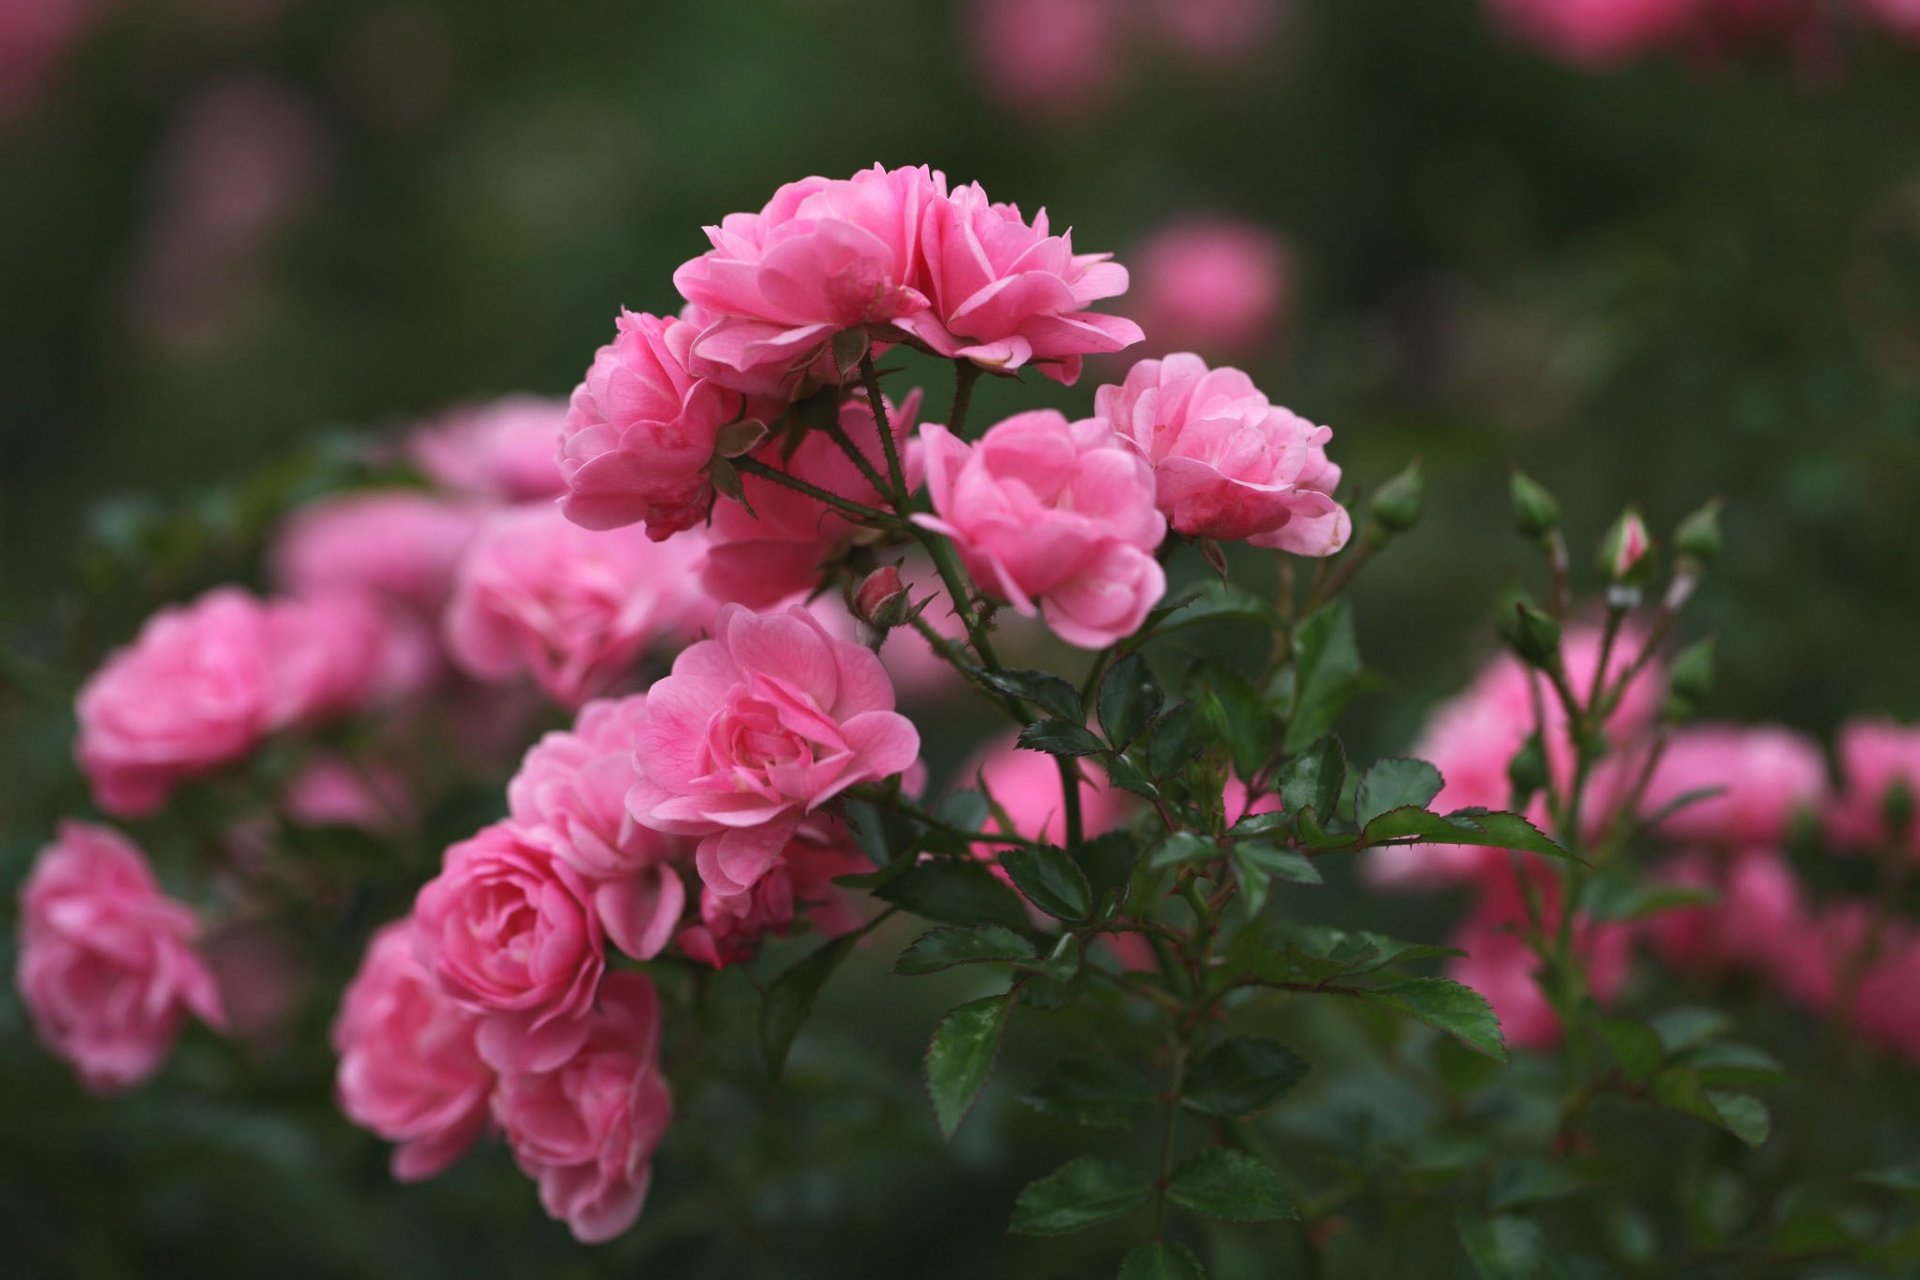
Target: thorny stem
[
  {"x": 965, "y": 374},
  {"x": 846, "y": 506},
  {"x": 838, "y": 434},
  {"x": 888, "y": 445}
]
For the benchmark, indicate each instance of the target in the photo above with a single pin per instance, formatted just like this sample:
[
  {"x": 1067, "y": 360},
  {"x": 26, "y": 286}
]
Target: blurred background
[{"x": 1647, "y": 263}]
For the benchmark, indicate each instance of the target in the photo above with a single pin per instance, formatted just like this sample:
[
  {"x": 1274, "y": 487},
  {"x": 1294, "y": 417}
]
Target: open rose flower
[
  {"x": 107, "y": 970},
  {"x": 409, "y": 1069},
  {"x": 572, "y": 789},
  {"x": 641, "y": 430},
  {"x": 800, "y": 884},
  {"x": 1053, "y": 517},
  {"x": 512, "y": 934},
  {"x": 824, "y": 255},
  {"x": 502, "y": 451},
  {"x": 587, "y": 1131},
  {"x": 1759, "y": 908},
  {"x": 1764, "y": 775},
  {"x": 757, "y": 728},
  {"x": 399, "y": 546},
  {"x": 1227, "y": 463},
  {"x": 1211, "y": 285},
  {"x": 1006, "y": 294},
  {"x": 572, "y": 608}
]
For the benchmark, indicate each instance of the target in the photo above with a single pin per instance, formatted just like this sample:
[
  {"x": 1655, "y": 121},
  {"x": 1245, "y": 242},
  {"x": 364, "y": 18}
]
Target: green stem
[
  {"x": 1176, "y": 1079},
  {"x": 838, "y": 434},
  {"x": 965, "y": 374},
  {"x": 888, "y": 445},
  {"x": 846, "y": 506}
]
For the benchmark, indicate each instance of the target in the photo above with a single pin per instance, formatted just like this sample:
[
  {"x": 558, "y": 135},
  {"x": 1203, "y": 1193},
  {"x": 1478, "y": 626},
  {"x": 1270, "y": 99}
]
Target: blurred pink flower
[
  {"x": 35, "y": 38},
  {"x": 1595, "y": 32},
  {"x": 1058, "y": 58},
  {"x": 1766, "y": 775},
  {"x": 398, "y": 545},
  {"x": 1026, "y": 786},
  {"x": 1211, "y": 285},
  {"x": 1502, "y": 967},
  {"x": 502, "y": 451},
  {"x": 1902, "y": 17},
  {"x": 1760, "y": 909},
  {"x": 1876, "y": 756},
  {"x": 1216, "y": 32}
]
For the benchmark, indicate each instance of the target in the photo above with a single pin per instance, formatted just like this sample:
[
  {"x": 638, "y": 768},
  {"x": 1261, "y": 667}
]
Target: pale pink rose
[
  {"x": 1760, "y": 908},
  {"x": 641, "y": 430},
  {"x": 1227, "y": 463},
  {"x": 1054, "y": 518},
  {"x": 757, "y": 728},
  {"x": 502, "y": 451},
  {"x": 801, "y": 883},
  {"x": 1502, "y": 967},
  {"x": 1875, "y": 757},
  {"x": 512, "y": 933},
  {"x": 1005, "y": 294},
  {"x": 398, "y": 546},
  {"x": 572, "y": 608},
  {"x": 1595, "y": 32},
  {"x": 328, "y": 655},
  {"x": 1060, "y": 58},
  {"x": 1211, "y": 285},
  {"x": 1766, "y": 775},
  {"x": 587, "y": 1131},
  {"x": 571, "y": 789},
  {"x": 762, "y": 557},
  {"x": 409, "y": 1069},
  {"x": 107, "y": 967},
  {"x": 823, "y": 256}
]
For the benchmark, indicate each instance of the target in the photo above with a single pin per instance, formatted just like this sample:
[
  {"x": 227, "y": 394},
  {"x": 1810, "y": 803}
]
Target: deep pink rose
[
  {"x": 755, "y": 729},
  {"x": 107, "y": 965},
  {"x": 512, "y": 934},
  {"x": 764, "y": 557},
  {"x": 1875, "y": 757},
  {"x": 572, "y": 608},
  {"x": 1044, "y": 510},
  {"x": 641, "y": 430},
  {"x": 1595, "y": 32},
  {"x": 572, "y": 789},
  {"x": 1210, "y": 285},
  {"x": 409, "y": 1069},
  {"x": 823, "y": 256},
  {"x": 1227, "y": 463},
  {"x": 1765, "y": 775},
  {"x": 800, "y": 883},
  {"x": 1006, "y": 294},
  {"x": 1502, "y": 967},
  {"x": 399, "y": 546},
  {"x": 586, "y": 1131},
  {"x": 502, "y": 451}
]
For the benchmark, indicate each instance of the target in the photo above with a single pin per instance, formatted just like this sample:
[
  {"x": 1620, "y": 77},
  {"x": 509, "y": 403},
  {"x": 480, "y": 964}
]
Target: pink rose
[
  {"x": 572, "y": 608},
  {"x": 409, "y": 1069},
  {"x": 1059, "y": 58},
  {"x": 1765, "y": 775},
  {"x": 399, "y": 546},
  {"x": 1595, "y": 32},
  {"x": 1502, "y": 967},
  {"x": 1006, "y": 294},
  {"x": 329, "y": 655},
  {"x": 1875, "y": 757},
  {"x": 823, "y": 256},
  {"x": 776, "y": 551},
  {"x": 107, "y": 967},
  {"x": 1228, "y": 464},
  {"x": 587, "y": 1131},
  {"x": 512, "y": 934},
  {"x": 755, "y": 729},
  {"x": 1899, "y": 16},
  {"x": 503, "y": 451},
  {"x": 641, "y": 430},
  {"x": 334, "y": 791},
  {"x": 1210, "y": 285},
  {"x": 1760, "y": 907},
  {"x": 1058, "y": 512},
  {"x": 1026, "y": 786},
  {"x": 1886, "y": 1005},
  {"x": 571, "y": 791},
  {"x": 732, "y": 925}
]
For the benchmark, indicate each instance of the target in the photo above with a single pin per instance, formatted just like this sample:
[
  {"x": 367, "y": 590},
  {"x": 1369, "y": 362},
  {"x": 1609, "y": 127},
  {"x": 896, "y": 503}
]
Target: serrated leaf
[
  {"x": 1395, "y": 783},
  {"x": 1043, "y": 689},
  {"x": 1231, "y": 1186},
  {"x": 1634, "y": 1045},
  {"x": 1050, "y": 880},
  {"x": 1323, "y": 676},
  {"x": 1460, "y": 1011},
  {"x": 1129, "y": 698},
  {"x": 945, "y": 948},
  {"x": 1061, "y": 738},
  {"x": 1312, "y": 779},
  {"x": 1108, "y": 861},
  {"x": 1181, "y": 847},
  {"x": 1742, "y": 1115},
  {"x": 1171, "y": 741},
  {"x": 1234, "y": 713},
  {"x": 1058, "y": 980},
  {"x": 1531, "y": 1180},
  {"x": 962, "y": 893},
  {"x": 1125, "y": 775},
  {"x": 1162, "y": 1260},
  {"x": 1278, "y": 861},
  {"x": 1241, "y": 1076},
  {"x": 960, "y": 1057},
  {"x": 1687, "y": 1028},
  {"x": 791, "y": 996},
  {"x": 1214, "y": 601},
  {"x": 1724, "y": 1063},
  {"x": 1098, "y": 1093},
  {"x": 1484, "y": 827},
  {"x": 1077, "y": 1195}
]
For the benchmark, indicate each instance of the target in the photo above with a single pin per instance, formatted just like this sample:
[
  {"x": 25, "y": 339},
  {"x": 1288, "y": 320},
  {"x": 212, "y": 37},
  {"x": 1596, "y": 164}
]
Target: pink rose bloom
[
  {"x": 1760, "y": 908},
  {"x": 762, "y": 558},
  {"x": 107, "y": 967},
  {"x": 586, "y": 1132},
  {"x": 399, "y": 546},
  {"x": 1875, "y": 756},
  {"x": 916, "y": 670},
  {"x": 1886, "y": 1006},
  {"x": 1006, "y": 294},
  {"x": 512, "y": 934},
  {"x": 1502, "y": 967},
  {"x": 732, "y": 925},
  {"x": 1044, "y": 510},
  {"x": 329, "y": 655},
  {"x": 333, "y": 791},
  {"x": 823, "y": 256},
  {"x": 641, "y": 430},
  {"x": 409, "y": 1069},
  {"x": 1766, "y": 775},
  {"x": 1227, "y": 463},
  {"x": 755, "y": 729},
  {"x": 503, "y": 451},
  {"x": 1060, "y": 58},
  {"x": 1594, "y": 32},
  {"x": 571, "y": 791},
  {"x": 1026, "y": 786},
  {"x": 1211, "y": 285},
  {"x": 1899, "y": 16},
  {"x": 569, "y": 607}
]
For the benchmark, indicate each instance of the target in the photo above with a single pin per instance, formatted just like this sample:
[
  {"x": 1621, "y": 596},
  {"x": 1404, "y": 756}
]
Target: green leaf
[
  {"x": 1241, "y": 1076},
  {"x": 1180, "y": 847},
  {"x": 1256, "y": 863},
  {"x": 1050, "y": 879},
  {"x": 1723, "y": 1063},
  {"x": 790, "y": 998},
  {"x": 1124, "y": 774},
  {"x": 1076, "y": 1195},
  {"x": 1214, "y": 601},
  {"x": 1313, "y": 778},
  {"x": 1061, "y": 738},
  {"x": 1503, "y": 1248},
  {"x": 1741, "y": 1114},
  {"x": 1162, "y": 1260},
  {"x": 962, "y": 893},
  {"x": 1108, "y": 861},
  {"x": 1044, "y": 690},
  {"x": 1057, "y": 980},
  {"x": 1461, "y": 1012},
  {"x": 1532, "y": 1180},
  {"x": 1235, "y": 714},
  {"x": 945, "y": 948},
  {"x": 1395, "y": 784},
  {"x": 1230, "y": 1185},
  {"x": 1098, "y": 1093},
  {"x": 1485, "y": 827},
  {"x": 1171, "y": 741},
  {"x": 1688, "y": 1028},
  {"x": 1324, "y": 675},
  {"x": 1129, "y": 698},
  {"x": 1627, "y": 897},
  {"x": 960, "y": 1057},
  {"x": 1633, "y": 1044},
  {"x": 1904, "y": 1179}
]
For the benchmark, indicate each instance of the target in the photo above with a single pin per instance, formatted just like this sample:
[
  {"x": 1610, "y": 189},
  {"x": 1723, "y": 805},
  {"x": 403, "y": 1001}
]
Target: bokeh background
[{"x": 236, "y": 235}]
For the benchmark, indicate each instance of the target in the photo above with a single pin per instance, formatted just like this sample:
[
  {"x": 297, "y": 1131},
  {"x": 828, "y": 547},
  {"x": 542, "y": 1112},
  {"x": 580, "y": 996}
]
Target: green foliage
[
  {"x": 945, "y": 948},
  {"x": 1050, "y": 880},
  {"x": 1077, "y": 1195},
  {"x": 1230, "y": 1185},
  {"x": 959, "y": 893},
  {"x": 960, "y": 1057},
  {"x": 1240, "y": 1076},
  {"x": 1098, "y": 1093}
]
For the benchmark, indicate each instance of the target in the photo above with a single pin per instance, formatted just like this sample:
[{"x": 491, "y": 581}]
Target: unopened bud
[
  {"x": 1689, "y": 680},
  {"x": 881, "y": 600},
  {"x": 1527, "y": 770},
  {"x": 1626, "y": 552},
  {"x": 1533, "y": 635},
  {"x": 1535, "y": 513},
  {"x": 1401, "y": 500},
  {"x": 1698, "y": 537}
]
